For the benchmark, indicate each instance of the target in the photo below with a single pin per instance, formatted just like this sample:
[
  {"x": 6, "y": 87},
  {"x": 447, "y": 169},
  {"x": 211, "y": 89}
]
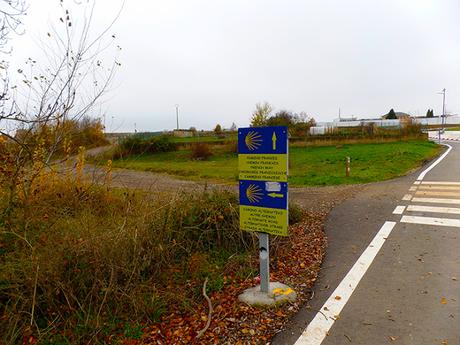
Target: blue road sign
[
  {"x": 263, "y": 169},
  {"x": 264, "y": 194},
  {"x": 263, "y": 140}
]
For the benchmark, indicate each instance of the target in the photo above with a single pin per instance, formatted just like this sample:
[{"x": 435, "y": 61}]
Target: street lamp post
[
  {"x": 177, "y": 116},
  {"x": 443, "y": 116}
]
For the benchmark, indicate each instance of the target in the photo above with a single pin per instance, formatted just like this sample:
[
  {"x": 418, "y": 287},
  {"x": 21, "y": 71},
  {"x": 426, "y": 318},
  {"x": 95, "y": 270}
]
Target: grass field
[
  {"x": 309, "y": 166},
  {"x": 453, "y": 128}
]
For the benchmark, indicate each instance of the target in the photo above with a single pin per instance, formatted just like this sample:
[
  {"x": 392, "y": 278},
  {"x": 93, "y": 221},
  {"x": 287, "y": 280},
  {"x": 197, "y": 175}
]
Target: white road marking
[
  {"x": 431, "y": 221},
  {"x": 440, "y": 193},
  {"x": 399, "y": 210},
  {"x": 412, "y": 189},
  {"x": 427, "y": 170},
  {"x": 319, "y": 327},
  {"x": 407, "y": 197},
  {"x": 437, "y": 201},
  {"x": 426, "y": 187},
  {"x": 441, "y": 183},
  {"x": 434, "y": 209},
  {"x": 417, "y": 182}
]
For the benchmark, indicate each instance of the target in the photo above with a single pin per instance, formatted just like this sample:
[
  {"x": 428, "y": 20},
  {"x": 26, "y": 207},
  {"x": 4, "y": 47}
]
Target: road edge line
[
  {"x": 436, "y": 162},
  {"x": 319, "y": 327}
]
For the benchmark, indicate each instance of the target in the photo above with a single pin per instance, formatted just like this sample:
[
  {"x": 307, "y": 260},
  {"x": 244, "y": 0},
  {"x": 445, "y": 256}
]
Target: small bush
[
  {"x": 296, "y": 214},
  {"x": 161, "y": 144},
  {"x": 201, "y": 151},
  {"x": 411, "y": 128},
  {"x": 135, "y": 145},
  {"x": 231, "y": 146},
  {"x": 132, "y": 144}
]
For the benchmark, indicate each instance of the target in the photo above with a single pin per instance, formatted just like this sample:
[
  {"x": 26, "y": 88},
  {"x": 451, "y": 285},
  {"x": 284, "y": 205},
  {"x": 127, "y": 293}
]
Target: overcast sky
[{"x": 217, "y": 59}]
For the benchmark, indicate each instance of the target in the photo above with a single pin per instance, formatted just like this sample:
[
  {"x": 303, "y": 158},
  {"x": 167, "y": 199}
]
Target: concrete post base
[{"x": 278, "y": 293}]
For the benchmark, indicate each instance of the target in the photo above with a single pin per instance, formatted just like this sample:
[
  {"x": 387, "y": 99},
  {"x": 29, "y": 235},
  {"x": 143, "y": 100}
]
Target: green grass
[
  {"x": 309, "y": 166},
  {"x": 221, "y": 166},
  {"x": 369, "y": 162},
  {"x": 453, "y": 128}
]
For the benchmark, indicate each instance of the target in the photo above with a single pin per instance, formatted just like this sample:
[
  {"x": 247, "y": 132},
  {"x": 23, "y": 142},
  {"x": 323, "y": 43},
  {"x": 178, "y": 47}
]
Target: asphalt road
[{"x": 392, "y": 274}]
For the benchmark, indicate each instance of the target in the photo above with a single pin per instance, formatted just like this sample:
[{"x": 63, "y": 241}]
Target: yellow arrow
[
  {"x": 276, "y": 195},
  {"x": 274, "y": 140}
]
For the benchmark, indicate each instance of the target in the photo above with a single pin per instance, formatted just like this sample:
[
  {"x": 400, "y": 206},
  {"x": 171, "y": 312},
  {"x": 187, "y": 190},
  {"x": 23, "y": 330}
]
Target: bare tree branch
[
  {"x": 11, "y": 12},
  {"x": 70, "y": 82}
]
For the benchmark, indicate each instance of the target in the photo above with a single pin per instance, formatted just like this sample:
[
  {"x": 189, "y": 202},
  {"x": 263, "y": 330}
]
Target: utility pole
[
  {"x": 443, "y": 93},
  {"x": 443, "y": 108},
  {"x": 177, "y": 115}
]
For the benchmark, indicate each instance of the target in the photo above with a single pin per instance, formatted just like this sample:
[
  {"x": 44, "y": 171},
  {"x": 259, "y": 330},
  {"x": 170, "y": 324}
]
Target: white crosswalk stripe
[
  {"x": 437, "y": 187},
  {"x": 426, "y": 193},
  {"x": 399, "y": 210},
  {"x": 432, "y": 209},
  {"x": 442, "y": 183},
  {"x": 437, "y": 200},
  {"x": 431, "y": 221},
  {"x": 440, "y": 193}
]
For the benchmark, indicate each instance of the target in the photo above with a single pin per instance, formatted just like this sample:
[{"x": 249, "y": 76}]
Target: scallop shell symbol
[
  {"x": 254, "y": 193},
  {"x": 253, "y": 140}
]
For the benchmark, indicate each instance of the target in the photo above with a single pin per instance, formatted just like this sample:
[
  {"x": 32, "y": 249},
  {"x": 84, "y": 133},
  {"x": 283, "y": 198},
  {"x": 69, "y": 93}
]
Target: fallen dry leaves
[{"x": 297, "y": 264}]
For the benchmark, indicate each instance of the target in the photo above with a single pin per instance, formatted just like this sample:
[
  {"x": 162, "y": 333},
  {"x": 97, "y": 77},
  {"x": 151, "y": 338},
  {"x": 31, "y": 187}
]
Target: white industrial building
[{"x": 324, "y": 127}]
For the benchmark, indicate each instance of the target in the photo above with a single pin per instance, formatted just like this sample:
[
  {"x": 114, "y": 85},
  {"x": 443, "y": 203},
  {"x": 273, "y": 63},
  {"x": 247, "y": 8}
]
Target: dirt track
[
  {"x": 307, "y": 197},
  {"x": 310, "y": 198}
]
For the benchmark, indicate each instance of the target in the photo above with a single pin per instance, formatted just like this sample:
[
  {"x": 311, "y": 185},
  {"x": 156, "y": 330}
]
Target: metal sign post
[
  {"x": 264, "y": 257},
  {"x": 263, "y": 172}
]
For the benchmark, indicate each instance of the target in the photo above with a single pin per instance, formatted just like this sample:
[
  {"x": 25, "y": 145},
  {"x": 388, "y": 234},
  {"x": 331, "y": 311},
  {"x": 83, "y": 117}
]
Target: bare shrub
[
  {"x": 231, "y": 146},
  {"x": 201, "y": 151},
  {"x": 58, "y": 90},
  {"x": 411, "y": 128}
]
